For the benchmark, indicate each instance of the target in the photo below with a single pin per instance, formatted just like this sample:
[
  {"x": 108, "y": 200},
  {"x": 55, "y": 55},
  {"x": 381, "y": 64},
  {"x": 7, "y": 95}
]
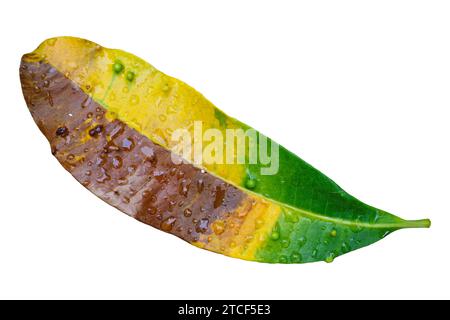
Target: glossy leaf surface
[{"x": 109, "y": 117}]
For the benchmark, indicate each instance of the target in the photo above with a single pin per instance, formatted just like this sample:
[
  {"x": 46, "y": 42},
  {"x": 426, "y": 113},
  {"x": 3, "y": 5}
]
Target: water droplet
[
  {"x": 130, "y": 76},
  {"x": 167, "y": 224},
  {"x": 50, "y": 99},
  {"x": 285, "y": 243},
  {"x": 96, "y": 131},
  {"x": 296, "y": 258},
  {"x": 134, "y": 99},
  {"x": 149, "y": 153},
  {"x": 187, "y": 212},
  {"x": 100, "y": 161},
  {"x": 250, "y": 183},
  {"x": 118, "y": 67},
  {"x": 89, "y": 115},
  {"x": 172, "y": 204},
  {"x": 329, "y": 258},
  {"x": 70, "y": 157},
  {"x": 162, "y": 117},
  {"x": 103, "y": 176},
  {"x": 86, "y": 102},
  {"x": 200, "y": 185},
  {"x": 62, "y": 132},
  {"x": 165, "y": 87},
  {"x": 356, "y": 227},
  {"x": 183, "y": 188},
  {"x": 301, "y": 241},
  {"x": 275, "y": 235},
  {"x": 117, "y": 162},
  {"x": 111, "y": 147},
  {"x": 259, "y": 223},
  {"x": 51, "y": 42},
  {"x": 291, "y": 216},
  {"x": 46, "y": 84},
  {"x": 345, "y": 247},
  {"x": 116, "y": 131},
  {"x": 146, "y": 193},
  {"x": 218, "y": 227},
  {"x": 220, "y": 196},
  {"x": 202, "y": 225},
  {"x": 180, "y": 174},
  {"x": 171, "y": 109},
  {"x": 333, "y": 233},
  {"x": 127, "y": 144}
]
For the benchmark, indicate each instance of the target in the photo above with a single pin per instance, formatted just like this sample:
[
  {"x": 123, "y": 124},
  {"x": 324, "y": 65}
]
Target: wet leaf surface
[{"x": 109, "y": 116}]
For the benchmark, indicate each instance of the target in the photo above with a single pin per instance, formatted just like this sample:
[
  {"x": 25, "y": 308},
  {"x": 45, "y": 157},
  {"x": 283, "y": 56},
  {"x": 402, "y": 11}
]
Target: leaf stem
[{"x": 424, "y": 223}]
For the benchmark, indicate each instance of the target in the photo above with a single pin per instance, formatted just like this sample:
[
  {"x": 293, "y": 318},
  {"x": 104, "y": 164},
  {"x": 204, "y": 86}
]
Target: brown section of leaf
[{"x": 118, "y": 164}]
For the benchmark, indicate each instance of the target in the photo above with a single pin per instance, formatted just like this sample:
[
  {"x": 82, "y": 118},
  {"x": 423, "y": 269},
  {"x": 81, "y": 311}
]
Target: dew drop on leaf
[
  {"x": 117, "y": 162},
  {"x": 187, "y": 212},
  {"x": 329, "y": 258},
  {"x": 218, "y": 227},
  {"x": 295, "y": 258},
  {"x": 167, "y": 224},
  {"x": 202, "y": 225},
  {"x": 275, "y": 235},
  {"x": 127, "y": 144}
]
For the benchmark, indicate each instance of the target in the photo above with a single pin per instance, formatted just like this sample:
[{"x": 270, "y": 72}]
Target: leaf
[{"x": 110, "y": 117}]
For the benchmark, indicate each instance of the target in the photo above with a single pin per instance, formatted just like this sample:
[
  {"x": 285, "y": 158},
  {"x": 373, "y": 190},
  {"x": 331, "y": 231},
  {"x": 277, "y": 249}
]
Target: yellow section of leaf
[
  {"x": 244, "y": 231},
  {"x": 135, "y": 92}
]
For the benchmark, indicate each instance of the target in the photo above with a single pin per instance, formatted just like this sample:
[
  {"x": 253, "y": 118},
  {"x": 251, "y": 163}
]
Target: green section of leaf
[{"x": 301, "y": 238}]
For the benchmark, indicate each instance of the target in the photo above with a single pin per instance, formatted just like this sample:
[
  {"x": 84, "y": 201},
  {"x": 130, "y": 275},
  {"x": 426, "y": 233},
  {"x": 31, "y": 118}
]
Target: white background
[{"x": 359, "y": 89}]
